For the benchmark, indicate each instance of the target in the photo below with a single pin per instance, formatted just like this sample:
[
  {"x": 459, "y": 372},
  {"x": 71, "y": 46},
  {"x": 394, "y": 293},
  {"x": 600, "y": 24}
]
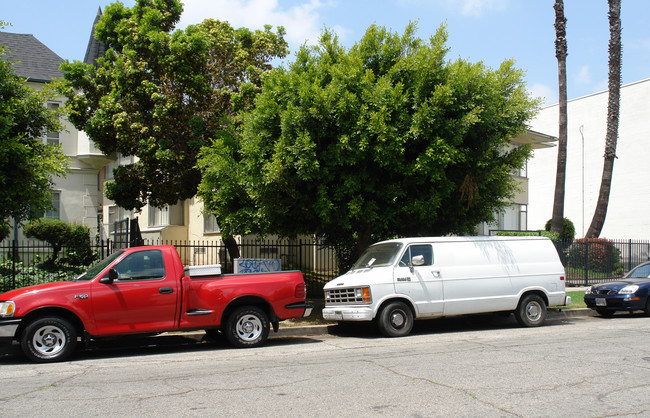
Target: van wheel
[
  {"x": 49, "y": 339},
  {"x": 531, "y": 311},
  {"x": 247, "y": 326},
  {"x": 395, "y": 320}
]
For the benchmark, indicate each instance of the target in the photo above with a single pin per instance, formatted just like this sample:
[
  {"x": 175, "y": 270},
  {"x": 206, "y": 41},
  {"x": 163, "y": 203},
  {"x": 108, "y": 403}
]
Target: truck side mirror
[
  {"x": 112, "y": 276},
  {"x": 418, "y": 260}
]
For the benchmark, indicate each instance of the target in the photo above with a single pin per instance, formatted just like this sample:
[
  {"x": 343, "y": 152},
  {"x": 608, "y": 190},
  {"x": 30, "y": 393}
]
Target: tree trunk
[
  {"x": 557, "y": 220},
  {"x": 232, "y": 247},
  {"x": 613, "y": 105}
]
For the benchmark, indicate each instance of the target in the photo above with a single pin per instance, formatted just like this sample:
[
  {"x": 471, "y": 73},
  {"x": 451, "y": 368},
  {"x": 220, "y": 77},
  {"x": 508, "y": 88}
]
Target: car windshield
[
  {"x": 640, "y": 272},
  {"x": 101, "y": 265},
  {"x": 378, "y": 255}
]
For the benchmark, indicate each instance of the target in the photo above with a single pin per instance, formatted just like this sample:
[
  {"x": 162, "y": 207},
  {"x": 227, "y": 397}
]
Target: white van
[{"x": 397, "y": 281}]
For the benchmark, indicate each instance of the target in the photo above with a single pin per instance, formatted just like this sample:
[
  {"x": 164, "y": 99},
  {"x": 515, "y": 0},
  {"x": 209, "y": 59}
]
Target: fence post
[
  {"x": 586, "y": 263},
  {"x": 629, "y": 255},
  {"x": 14, "y": 257}
]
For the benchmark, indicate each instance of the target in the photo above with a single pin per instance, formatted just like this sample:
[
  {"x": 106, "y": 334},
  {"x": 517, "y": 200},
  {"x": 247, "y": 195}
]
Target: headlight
[
  {"x": 629, "y": 289},
  {"x": 7, "y": 309},
  {"x": 589, "y": 291}
]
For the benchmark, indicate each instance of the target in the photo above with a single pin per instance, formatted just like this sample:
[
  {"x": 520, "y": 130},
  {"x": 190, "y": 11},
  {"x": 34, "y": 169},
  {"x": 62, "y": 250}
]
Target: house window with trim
[
  {"x": 210, "y": 225},
  {"x": 54, "y": 213},
  {"x": 53, "y": 136},
  {"x": 171, "y": 215}
]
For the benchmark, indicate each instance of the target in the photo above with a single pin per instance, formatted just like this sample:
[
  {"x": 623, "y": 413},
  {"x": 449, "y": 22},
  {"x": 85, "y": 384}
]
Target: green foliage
[
  {"x": 5, "y": 229},
  {"x": 598, "y": 254},
  {"x": 59, "y": 234},
  {"x": 34, "y": 273},
  {"x": 27, "y": 164},
  {"x": 385, "y": 139},
  {"x": 161, "y": 94},
  {"x": 547, "y": 234},
  {"x": 568, "y": 230}
]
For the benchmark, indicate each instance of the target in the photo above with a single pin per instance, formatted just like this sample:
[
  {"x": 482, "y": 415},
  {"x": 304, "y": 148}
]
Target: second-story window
[
  {"x": 53, "y": 136},
  {"x": 210, "y": 225}
]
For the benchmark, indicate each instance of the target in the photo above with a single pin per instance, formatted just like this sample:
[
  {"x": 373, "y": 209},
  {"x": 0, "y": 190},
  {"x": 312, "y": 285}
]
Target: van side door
[{"x": 417, "y": 275}]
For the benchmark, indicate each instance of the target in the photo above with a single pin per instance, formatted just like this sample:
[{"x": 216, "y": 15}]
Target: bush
[
  {"x": 568, "y": 230},
  {"x": 602, "y": 255},
  {"x": 59, "y": 234},
  {"x": 4, "y": 230},
  {"x": 546, "y": 234}
]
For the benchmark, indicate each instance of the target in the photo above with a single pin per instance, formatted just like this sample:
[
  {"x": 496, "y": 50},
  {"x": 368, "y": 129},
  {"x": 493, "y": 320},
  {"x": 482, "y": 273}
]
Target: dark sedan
[{"x": 630, "y": 293}]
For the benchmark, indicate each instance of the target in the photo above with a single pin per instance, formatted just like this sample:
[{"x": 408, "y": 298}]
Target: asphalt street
[{"x": 576, "y": 365}]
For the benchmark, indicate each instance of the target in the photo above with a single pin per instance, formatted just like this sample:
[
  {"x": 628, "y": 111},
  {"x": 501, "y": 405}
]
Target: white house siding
[{"x": 628, "y": 214}]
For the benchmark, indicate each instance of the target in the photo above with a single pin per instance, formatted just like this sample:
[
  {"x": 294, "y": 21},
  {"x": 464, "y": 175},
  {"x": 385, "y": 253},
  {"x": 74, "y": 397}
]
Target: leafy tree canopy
[
  {"x": 385, "y": 139},
  {"x": 27, "y": 164},
  {"x": 160, "y": 94}
]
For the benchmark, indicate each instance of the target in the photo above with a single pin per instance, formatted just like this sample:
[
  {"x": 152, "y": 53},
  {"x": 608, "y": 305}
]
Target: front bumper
[
  {"x": 615, "y": 302},
  {"x": 8, "y": 328},
  {"x": 348, "y": 313}
]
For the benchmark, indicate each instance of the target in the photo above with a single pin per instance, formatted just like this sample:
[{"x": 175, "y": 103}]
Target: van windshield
[{"x": 378, "y": 255}]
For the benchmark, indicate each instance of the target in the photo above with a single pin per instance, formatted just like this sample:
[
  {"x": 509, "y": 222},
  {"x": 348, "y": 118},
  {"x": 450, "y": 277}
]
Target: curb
[{"x": 553, "y": 314}]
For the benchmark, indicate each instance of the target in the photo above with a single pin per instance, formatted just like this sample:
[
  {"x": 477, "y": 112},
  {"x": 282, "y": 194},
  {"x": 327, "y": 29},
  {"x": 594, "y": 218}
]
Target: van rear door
[{"x": 417, "y": 276}]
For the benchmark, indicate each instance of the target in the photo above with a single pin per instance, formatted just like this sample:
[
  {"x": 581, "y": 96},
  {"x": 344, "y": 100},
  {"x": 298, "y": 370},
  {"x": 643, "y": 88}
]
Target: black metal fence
[{"x": 23, "y": 264}]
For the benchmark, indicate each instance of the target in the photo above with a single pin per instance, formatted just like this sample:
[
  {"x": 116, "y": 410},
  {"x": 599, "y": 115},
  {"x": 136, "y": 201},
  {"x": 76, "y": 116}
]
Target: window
[
  {"x": 53, "y": 136},
  {"x": 210, "y": 224},
  {"x": 142, "y": 265},
  {"x": 167, "y": 215},
  {"x": 424, "y": 251},
  {"x": 54, "y": 213}
]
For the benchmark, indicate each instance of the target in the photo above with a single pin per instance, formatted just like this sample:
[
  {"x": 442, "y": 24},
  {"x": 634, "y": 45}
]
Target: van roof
[{"x": 464, "y": 239}]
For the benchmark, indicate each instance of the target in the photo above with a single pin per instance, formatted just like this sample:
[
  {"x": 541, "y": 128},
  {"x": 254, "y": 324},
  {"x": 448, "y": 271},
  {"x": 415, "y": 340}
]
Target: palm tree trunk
[
  {"x": 613, "y": 107},
  {"x": 557, "y": 220}
]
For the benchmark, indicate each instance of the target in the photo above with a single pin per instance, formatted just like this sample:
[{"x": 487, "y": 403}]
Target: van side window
[{"x": 426, "y": 251}]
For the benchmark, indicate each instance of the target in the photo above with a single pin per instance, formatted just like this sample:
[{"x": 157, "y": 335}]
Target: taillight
[
  {"x": 561, "y": 277},
  {"x": 301, "y": 291}
]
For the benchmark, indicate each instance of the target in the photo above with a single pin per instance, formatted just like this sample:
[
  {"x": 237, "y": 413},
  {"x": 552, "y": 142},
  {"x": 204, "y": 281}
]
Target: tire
[
  {"x": 49, "y": 339},
  {"x": 531, "y": 311},
  {"x": 247, "y": 326},
  {"x": 395, "y": 320},
  {"x": 605, "y": 313}
]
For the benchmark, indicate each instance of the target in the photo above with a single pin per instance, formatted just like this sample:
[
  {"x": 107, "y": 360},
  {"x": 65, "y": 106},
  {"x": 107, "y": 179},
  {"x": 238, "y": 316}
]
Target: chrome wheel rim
[
  {"x": 397, "y": 319},
  {"x": 48, "y": 341},
  {"x": 249, "y": 327},
  {"x": 534, "y": 311}
]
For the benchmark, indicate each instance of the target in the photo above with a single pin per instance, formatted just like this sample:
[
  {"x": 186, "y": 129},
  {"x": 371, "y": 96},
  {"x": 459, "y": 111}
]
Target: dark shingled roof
[
  {"x": 95, "y": 48},
  {"x": 32, "y": 59}
]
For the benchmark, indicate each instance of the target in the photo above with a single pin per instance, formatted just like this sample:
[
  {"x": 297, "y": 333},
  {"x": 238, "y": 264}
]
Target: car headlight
[
  {"x": 629, "y": 289},
  {"x": 7, "y": 309},
  {"x": 589, "y": 291}
]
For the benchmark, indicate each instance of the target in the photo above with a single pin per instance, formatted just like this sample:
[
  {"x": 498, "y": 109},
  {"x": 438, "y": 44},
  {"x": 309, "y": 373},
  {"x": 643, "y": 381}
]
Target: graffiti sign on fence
[{"x": 257, "y": 265}]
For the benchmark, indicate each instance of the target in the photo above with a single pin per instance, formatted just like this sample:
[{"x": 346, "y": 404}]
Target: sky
[{"x": 490, "y": 31}]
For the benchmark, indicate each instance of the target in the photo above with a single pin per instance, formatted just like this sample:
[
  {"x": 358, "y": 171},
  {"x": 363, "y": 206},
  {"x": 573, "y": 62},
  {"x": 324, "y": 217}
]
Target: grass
[{"x": 577, "y": 300}]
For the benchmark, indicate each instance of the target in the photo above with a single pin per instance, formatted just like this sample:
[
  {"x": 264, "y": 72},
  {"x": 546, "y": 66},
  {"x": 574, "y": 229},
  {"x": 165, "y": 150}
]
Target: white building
[
  {"x": 77, "y": 197},
  {"x": 628, "y": 213}
]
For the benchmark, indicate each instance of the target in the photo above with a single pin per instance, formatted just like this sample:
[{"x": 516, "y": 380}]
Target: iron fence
[{"x": 22, "y": 264}]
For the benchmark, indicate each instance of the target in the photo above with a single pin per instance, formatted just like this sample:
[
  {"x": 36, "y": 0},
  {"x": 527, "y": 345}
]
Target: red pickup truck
[{"x": 147, "y": 290}]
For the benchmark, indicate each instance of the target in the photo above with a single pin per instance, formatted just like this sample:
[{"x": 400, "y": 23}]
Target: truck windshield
[
  {"x": 378, "y": 255},
  {"x": 101, "y": 265}
]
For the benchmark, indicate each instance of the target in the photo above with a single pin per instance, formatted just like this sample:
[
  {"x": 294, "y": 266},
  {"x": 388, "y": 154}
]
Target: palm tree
[
  {"x": 557, "y": 220},
  {"x": 613, "y": 110}
]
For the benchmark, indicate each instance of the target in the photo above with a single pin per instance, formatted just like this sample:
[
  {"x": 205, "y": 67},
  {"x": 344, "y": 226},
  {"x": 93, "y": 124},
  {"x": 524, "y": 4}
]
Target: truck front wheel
[
  {"x": 49, "y": 339},
  {"x": 395, "y": 320},
  {"x": 247, "y": 326}
]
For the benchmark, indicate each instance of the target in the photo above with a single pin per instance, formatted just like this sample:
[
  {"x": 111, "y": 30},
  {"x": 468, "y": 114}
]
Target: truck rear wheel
[
  {"x": 531, "y": 311},
  {"x": 395, "y": 320},
  {"x": 247, "y": 326},
  {"x": 49, "y": 339}
]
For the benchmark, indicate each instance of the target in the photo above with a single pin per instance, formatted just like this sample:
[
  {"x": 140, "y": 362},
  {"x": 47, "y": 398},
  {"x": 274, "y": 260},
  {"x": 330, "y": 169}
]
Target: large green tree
[
  {"x": 161, "y": 94},
  {"x": 27, "y": 165},
  {"x": 385, "y": 139}
]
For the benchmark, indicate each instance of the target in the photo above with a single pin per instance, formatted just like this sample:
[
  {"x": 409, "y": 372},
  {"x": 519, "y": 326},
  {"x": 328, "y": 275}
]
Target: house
[
  {"x": 629, "y": 201},
  {"x": 77, "y": 197}
]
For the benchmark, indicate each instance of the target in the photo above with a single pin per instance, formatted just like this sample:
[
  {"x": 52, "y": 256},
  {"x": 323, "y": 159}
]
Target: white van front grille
[{"x": 347, "y": 296}]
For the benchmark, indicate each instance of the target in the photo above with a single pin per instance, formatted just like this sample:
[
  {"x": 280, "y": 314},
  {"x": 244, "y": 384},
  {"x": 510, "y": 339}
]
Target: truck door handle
[
  {"x": 165, "y": 290},
  {"x": 436, "y": 274}
]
